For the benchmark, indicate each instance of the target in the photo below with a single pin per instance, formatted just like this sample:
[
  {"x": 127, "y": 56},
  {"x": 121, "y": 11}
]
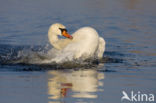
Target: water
[{"x": 129, "y": 62}]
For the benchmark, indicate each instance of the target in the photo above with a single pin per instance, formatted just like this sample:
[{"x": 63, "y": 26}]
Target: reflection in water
[{"x": 77, "y": 84}]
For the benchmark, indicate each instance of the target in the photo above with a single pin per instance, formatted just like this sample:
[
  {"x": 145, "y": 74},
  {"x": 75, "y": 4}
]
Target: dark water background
[{"x": 128, "y": 26}]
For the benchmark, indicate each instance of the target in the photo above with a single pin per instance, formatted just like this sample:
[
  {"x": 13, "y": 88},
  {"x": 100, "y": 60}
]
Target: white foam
[{"x": 41, "y": 57}]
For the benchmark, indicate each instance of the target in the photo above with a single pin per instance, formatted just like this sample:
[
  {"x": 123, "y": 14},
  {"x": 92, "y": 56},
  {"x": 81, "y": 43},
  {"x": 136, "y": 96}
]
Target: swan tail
[{"x": 101, "y": 48}]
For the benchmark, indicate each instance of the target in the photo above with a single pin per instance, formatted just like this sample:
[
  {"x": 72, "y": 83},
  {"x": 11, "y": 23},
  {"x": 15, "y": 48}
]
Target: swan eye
[{"x": 62, "y": 29}]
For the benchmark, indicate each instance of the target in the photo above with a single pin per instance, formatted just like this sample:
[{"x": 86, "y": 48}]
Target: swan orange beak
[{"x": 65, "y": 34}]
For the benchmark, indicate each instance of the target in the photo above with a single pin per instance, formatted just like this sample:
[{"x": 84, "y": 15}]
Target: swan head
[{"x": 59, "y": 29}]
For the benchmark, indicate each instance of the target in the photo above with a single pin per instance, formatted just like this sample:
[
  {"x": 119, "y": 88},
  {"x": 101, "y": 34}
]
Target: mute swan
[{"x": 84, "y": 43}]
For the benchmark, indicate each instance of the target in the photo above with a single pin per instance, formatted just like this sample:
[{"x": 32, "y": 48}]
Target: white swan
[{"x": 84, "y": 43}]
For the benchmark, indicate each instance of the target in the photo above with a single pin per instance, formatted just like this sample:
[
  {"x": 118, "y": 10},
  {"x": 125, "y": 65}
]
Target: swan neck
[{"x": 53, "y": 38}]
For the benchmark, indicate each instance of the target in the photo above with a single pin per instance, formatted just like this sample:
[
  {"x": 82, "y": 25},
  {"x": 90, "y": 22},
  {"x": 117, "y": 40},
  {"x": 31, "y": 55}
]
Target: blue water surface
[{"x": 128, "y": 27}]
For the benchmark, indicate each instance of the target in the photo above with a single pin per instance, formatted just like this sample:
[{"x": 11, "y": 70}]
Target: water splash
[{"x": 43, "y": 57}]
